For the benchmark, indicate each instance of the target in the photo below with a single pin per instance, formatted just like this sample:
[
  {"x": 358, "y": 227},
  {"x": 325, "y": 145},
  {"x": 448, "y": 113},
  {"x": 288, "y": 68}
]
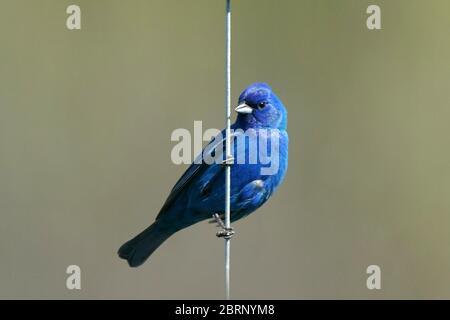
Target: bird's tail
[{"x": 137, "y": 250}]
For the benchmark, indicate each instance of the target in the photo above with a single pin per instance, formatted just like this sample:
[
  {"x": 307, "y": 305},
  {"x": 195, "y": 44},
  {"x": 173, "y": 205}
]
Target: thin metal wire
[{"x": 228, "y": 145}]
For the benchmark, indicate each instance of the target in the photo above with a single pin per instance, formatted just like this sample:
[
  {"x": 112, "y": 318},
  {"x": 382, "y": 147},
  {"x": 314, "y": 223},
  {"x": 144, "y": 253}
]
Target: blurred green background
[{"x": 85, "y": 124}]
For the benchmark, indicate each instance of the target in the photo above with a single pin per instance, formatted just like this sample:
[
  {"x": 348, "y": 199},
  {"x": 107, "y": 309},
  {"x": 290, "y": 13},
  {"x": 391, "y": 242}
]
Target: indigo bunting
[{"x": 200, "y": 192}]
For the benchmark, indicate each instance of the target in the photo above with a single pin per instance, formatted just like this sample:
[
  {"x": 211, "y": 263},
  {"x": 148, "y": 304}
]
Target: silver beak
[{"x": 244, "y": 108}]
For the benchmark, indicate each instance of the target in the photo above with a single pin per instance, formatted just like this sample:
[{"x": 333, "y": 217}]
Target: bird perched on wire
[{"x": 200, "y": 192}]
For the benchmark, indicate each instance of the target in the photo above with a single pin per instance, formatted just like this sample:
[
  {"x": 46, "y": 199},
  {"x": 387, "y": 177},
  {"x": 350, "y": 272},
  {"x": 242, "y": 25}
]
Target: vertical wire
[{"x": 228, "y": 145}]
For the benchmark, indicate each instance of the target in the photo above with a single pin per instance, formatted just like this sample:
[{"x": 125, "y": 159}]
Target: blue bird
[{"x": 200, "y": 192}]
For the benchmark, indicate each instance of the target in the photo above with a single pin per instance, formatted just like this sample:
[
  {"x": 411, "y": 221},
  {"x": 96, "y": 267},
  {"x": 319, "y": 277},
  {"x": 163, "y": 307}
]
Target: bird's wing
[{"x": 197, "y": 168}]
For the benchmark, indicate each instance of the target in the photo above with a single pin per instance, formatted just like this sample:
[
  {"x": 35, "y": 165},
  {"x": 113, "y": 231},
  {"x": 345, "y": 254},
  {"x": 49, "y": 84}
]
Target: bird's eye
[{"x": 262, "y": 105}]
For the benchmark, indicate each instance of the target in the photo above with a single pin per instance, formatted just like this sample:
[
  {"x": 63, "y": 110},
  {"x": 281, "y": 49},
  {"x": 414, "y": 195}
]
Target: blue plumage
[{"x": 200, "y": 192}]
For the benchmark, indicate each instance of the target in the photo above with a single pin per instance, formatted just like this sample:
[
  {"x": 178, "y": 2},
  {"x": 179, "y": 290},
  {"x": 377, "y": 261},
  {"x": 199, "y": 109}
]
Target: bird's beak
[{"x": 244, "y": 108}]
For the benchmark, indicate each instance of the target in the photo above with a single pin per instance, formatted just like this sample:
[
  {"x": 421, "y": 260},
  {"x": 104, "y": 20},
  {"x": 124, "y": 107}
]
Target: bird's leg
[
  {"x": 214, "y": 220},
  {"x": 226, "y": 233}
]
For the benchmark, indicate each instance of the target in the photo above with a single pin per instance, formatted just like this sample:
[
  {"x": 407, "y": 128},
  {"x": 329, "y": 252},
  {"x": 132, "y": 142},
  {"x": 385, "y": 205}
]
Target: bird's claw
[
  {"x": 228, "y": 161},
  {"x": 226, "y": 233}
]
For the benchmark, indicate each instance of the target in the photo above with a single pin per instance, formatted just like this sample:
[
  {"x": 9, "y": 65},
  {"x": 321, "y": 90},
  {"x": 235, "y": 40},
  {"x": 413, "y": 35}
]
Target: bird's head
[{"x": 259, "y": 107}]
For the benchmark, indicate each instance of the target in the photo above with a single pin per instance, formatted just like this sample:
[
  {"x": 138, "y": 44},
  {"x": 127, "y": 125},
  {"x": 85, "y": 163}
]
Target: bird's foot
[
  {"x": 228, "y": 162},
  {"x": 226, "y": 233}
]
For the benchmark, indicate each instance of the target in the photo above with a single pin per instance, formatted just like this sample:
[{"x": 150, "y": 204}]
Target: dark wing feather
[
  {"x": 185, "y": 180},
  {"x": 195, "y": 170}
]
